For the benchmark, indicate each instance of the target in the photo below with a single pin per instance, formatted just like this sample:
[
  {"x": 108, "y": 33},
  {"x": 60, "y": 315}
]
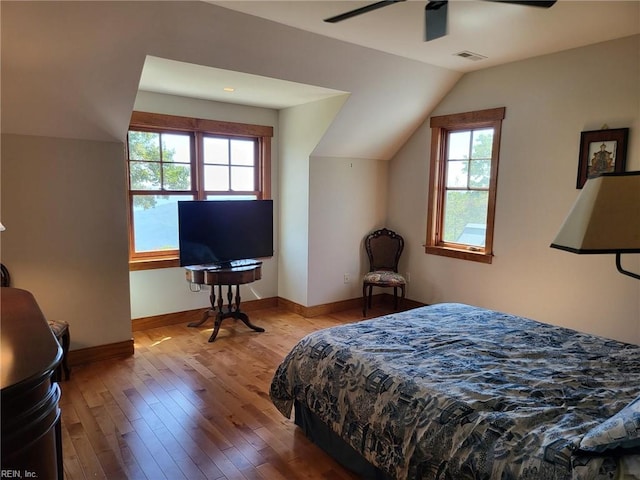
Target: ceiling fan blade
[
  {"x": 529, "y": 3},
  {"x": 361, "y": 10},
  {"x": 435, "y": 19}
]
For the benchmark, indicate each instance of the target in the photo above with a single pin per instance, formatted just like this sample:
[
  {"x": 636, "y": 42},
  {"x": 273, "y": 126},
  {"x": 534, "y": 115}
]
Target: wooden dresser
[{"x": 31, "y": 435}]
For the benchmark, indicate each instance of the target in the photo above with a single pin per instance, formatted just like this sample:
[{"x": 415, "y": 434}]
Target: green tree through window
[{"x": 153, "y": 164}]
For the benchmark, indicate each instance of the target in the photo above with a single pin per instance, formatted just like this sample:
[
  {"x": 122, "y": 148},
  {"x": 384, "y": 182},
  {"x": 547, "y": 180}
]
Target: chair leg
[
  {"x": 364, "y": 300},
  {"x": 395, "y": 298}
]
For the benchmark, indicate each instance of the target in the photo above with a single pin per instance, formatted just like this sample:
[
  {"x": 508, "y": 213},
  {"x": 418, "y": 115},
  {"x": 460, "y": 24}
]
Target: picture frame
[{"x": 601, "y": 151}]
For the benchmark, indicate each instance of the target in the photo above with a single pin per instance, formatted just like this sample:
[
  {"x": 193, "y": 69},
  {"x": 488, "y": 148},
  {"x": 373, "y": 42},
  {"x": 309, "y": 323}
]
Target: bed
[{"x": 451, "y": 391}]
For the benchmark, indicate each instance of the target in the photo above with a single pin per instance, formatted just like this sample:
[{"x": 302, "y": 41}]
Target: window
[
  {"x": 174, "y": 158},
  {"x": 463, "y": 178}
]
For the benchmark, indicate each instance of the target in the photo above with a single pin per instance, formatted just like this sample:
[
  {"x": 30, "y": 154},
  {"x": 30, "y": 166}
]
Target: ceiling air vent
[{"x": 470, "y": 55}]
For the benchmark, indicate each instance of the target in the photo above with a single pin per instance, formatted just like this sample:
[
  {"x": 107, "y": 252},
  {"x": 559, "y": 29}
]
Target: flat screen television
[{"x": 222, "y": 231}]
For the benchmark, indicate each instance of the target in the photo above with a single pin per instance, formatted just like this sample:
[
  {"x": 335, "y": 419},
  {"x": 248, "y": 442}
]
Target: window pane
[
  {"x": 242, "y": 178},
  {"x": 465, "y": 217},
  {"x": 144, "y": 146},
  {"x": 482, "y": 143},
  {"x": 216, "y": 177},
  {"x": 155, "y": 222},
  {"x": 242, "y": 152},
  {"x": 457, "y": 172},
  {"x": 480, "y": 173},
  {"x": 176, "y": 148},
  {"x": 144, "y": 175},
  {"x": 458, "y": 146},
  {"x": 176, "y": 176},
  {"x": 216, "y": 150}
]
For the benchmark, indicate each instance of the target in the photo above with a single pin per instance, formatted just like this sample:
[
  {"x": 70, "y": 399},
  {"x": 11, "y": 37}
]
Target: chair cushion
[
  {"x": 384, "y": 278},
  {"x": 58, "y": 327}
]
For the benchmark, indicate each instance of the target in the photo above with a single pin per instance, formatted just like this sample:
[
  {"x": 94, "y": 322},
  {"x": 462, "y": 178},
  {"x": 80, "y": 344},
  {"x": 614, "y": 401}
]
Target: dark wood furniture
[
  {"x": 383, "y": 248},
  {"x": 61, "y": 331},
  {"x": 31, "y": 434},
  {"x": 235, "y": 275},
  {"x": 59, "y": 328}
]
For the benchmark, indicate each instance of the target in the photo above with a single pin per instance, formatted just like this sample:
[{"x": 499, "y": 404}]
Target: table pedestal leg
[
  {"x": 232, "y": 311},
  {"x": 210, "y": 311}
]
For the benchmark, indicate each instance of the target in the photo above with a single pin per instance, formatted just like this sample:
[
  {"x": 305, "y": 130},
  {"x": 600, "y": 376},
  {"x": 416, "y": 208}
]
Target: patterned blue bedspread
[{"x": 451, "y": 391}]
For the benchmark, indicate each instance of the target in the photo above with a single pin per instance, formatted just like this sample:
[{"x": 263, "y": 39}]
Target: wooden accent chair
[
  {"x": 5, "y": 277},
  {"x": 383, "y": 248}
]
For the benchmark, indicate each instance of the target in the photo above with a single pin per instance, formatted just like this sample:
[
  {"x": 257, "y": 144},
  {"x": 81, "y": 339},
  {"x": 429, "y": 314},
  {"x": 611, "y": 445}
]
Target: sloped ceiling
[
  {"x": 501, "y": 32},
  {"x": 72, "y": 69}
]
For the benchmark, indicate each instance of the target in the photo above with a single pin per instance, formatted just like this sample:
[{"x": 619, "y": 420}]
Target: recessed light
[{"x": 229, "y": 89}]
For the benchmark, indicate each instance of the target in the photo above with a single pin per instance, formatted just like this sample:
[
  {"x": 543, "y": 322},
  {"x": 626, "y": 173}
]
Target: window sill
[
  {"x": 152, "y": 264},
  {"x": 461, "y": 254}
]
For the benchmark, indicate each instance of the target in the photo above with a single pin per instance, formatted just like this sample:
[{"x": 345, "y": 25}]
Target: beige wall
[
  {"x": 64, "y": 201},
  {"x": 64, "y": 207},
  {"x": 347, "y": 200},
  {"x": 549, "y": 100},
  {"x": 301, "y": 128}
]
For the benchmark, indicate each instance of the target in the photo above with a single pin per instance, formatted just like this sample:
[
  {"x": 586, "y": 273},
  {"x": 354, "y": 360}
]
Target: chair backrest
[
  {"x": 384, "y": 248},
  {"x": 6, "y": 278}
]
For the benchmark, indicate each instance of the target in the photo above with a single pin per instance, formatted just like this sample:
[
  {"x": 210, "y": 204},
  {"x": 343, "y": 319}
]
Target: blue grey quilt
[{"x": 451, "y": 391}]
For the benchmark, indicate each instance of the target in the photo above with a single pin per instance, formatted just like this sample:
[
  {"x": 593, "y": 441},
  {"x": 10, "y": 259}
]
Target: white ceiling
[
  {"x": 498, "y": 31},
  {"x": 186, "y": 79},
  {"x": 80, "y": 81}
]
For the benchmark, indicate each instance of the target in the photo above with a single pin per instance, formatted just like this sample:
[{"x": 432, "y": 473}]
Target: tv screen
[{"x": 221, "y": 231}]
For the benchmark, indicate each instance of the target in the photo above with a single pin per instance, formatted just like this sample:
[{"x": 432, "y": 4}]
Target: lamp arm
[{"x": 623, "y": 271}]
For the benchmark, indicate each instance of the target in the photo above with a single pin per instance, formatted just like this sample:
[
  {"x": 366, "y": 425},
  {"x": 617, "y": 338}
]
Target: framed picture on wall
[{"x": 601, "y": 151}]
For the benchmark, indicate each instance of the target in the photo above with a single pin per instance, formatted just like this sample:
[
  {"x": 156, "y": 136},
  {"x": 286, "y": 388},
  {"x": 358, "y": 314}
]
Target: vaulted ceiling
[
  {"x": 485, "y": 33},
  {"x": 73, "y": 69},
  {"x": 500, "y": 32}
]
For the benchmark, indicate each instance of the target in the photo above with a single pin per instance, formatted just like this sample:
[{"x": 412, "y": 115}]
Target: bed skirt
[{"x": 321, "y": 435}]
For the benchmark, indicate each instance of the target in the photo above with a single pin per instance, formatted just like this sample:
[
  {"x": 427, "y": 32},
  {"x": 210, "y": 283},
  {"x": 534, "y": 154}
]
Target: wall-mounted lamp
[{"x": 605, "y": 218}]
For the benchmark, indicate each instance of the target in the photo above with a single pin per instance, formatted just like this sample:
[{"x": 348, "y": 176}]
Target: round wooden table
[{"x": 237, "y": 275}]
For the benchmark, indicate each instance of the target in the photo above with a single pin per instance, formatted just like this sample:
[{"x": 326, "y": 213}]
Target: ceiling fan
[{"x": 435, "y": 13}]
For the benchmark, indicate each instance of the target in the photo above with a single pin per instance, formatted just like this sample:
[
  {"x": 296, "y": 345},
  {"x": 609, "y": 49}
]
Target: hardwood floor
[{"x": 183, "y": 408}]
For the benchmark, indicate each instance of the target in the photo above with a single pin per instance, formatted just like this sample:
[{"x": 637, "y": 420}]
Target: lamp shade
[
  {"x": 605, "y": 217},
  {"x": 2, "y": 229}
]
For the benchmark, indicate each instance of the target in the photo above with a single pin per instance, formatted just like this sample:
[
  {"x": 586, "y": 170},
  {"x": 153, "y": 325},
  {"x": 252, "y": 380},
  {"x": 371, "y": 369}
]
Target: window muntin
[
  {"x": 463, "y": 179},
  {"x": 177, "y": 158}
]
